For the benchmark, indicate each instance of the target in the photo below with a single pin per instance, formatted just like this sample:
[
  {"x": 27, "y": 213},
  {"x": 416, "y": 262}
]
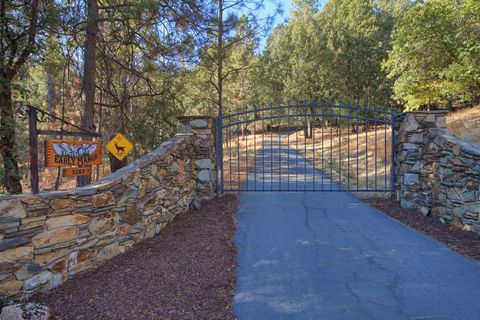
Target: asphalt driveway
[{"x": 327, "y": 255}]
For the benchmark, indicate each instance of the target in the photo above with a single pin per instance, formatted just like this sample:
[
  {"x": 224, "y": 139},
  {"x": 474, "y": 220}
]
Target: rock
[
  {"x": 203, "y": 163},
  {"x": 54, "y": 282},
  {"x": 68, "y": 220},
  {"x": 103, "y": 224},
  {"x": 59, "y": 204},
  {"x": 195, "y": 204},
  {"x": 32, "y": 223},
  {"x": 29, "y": 311},
  {"x": 108, "y": 252},
  {"x": 204, "y": 175},
  {"x": 132, "y": 215},
  {"x": 37, "y": 280},
  {"x": 16, "y": 254},
  {"x": 27, "y": 271},
  {"x": 150, "y": 230},
  {"x": 10, "y": 286},
  {"x": 425, "y": 210},
  {"x": 9, "y": 267},
  {"x": 12, "y": 208},
  {"x": 55, "y": 236},
  {"x": 409, "y": 123},
  {"x": 13, "y": 243},
  {"x": 162, "y": 194},
  {"x": 12, "y": 312},
  {"x": 199, "y": 123},
  {"x": 128, "y": 195},
  {"x": 153, "y": 183},
  {"x": 103, "y": 199},
  {"x": 9, "y": 222},
  {"x": 411, "y": 178}
]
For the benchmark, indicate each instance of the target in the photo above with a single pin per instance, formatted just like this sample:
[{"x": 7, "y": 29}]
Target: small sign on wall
[
  {"x": 75, "y": 172},
  {"x": 119, "y": 146},
  {"x": 66, "y": 153}
]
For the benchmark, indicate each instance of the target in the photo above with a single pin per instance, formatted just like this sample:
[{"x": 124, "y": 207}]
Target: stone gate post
[
  {"x": 411, "y": 141},
  {"x": 203, "y": 130}
]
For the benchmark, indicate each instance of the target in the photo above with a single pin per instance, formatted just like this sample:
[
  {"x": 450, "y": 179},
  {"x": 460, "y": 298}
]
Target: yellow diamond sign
[{"x": 119, "y": 146}]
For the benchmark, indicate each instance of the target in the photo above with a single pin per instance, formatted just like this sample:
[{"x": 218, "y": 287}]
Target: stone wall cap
[
  {"x": 467, "y": 146},
  {"x": 180, "y": 118},
  {"x": 437, "y": 112},
  {"x": 92, "y": 188}
]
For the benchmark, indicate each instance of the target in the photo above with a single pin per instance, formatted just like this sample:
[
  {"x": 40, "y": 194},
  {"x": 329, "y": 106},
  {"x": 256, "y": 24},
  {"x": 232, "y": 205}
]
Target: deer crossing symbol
[{"x": 120, "y": 149}]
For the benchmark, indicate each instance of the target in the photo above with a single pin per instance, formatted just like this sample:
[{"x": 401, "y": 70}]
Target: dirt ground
[
  {"x": 463, "y": 242},
  {"x": 187, "y": 271}
]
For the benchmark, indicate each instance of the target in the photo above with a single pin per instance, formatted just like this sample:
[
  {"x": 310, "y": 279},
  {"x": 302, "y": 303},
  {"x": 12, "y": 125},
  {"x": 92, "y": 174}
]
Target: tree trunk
[
  {"x": 220, "y": 57},
  {"x": 51, "y": 94},
  {"x": 11, "y": 175},
  {"x": 89, "y": 63}
]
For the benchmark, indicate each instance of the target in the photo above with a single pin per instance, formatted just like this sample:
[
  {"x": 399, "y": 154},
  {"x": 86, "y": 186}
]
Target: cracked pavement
[{"x": 327, "y": 255}]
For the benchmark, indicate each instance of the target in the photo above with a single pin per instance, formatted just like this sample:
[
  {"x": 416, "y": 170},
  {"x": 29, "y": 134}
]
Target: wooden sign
[
  {"x": 119, "y": 146},
  {"x": 67, "y": 153},
  {"x": 75, "y": 172}
]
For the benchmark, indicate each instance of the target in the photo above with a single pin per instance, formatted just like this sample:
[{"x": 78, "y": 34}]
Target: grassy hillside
[{"x": 465, "y": 124}]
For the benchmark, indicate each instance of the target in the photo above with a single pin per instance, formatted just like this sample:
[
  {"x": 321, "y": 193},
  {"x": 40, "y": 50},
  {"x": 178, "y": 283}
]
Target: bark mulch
[
  {"x": 187, "y": 271},
  {"x": 463, "y": 242}
]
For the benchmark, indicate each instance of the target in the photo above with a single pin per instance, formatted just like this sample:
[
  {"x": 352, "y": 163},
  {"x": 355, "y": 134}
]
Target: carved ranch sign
[{"x": 66, "y": 153}]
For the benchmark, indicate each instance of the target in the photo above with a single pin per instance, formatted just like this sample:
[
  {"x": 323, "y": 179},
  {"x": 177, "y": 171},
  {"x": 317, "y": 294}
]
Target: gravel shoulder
[
  {"x": 187, "y": 271},
  {"x": 463, "y": 242}
]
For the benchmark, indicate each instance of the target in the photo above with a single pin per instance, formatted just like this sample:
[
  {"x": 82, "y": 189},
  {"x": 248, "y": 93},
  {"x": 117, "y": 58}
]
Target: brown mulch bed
[
  {"x": 187, "y": 271},
  {"x": 463, "y": 242}
]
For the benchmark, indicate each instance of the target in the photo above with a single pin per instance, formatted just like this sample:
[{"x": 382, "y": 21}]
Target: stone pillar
[
  {"x": 411, "y": 141},
  {"x": 203, "y": 130}
]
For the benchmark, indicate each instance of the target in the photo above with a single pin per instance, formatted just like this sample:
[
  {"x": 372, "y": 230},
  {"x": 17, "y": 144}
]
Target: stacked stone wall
[
  {"x": 436, "y": 171},
  {"x": 48, "y": 238}
]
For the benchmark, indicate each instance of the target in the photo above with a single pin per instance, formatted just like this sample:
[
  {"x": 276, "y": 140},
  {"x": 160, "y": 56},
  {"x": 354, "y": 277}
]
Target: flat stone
[
  {"x": 9, "y": 222},
  {"x": 411, "y": 178},
  {"x": 410, "y": 123},
  {"x": 12, "y": 208},
  {"x": 59, "y": 204},
  {"x": 410, "y": 146},
  {"x": 128, "y": 195},
  {"x": 32, "y": 223},
  {"x": 13, "y": 243},
  {"x": 68, "y": 220},
  {"x": 16, "y": 254},
  {"x": 203, "y": 163},
  {"x": 9, "y": 287},
  {"x": 199, "y": 123},
  {"x": 27, "y": 271},
  {"x": 82, "y": 192},
  {"x": 37, "y": 280},
  {"x": 9, "y": 267},
  {"x": 472, "y": 207},
  {"x": 203, "y": 175},
  {"x": 103, "y": 224},
  {"x": 103, "y": 199},
  {"x": 153, "y": 183},
  {"x": 108, "y": 252},
  {"x": 49, "y": 257},
  {"x": 12, "y": 312},
  {"x": 132, "y": 215},
  {"x": 55, "y": 236}
]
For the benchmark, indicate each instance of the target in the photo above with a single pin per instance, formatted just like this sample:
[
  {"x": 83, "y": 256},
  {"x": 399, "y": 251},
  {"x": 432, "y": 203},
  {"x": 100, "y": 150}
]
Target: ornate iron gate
[{"x": 305, "y": 147}]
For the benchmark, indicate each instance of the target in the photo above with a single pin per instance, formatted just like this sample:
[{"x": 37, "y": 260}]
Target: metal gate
[{"x": 305, "y": 147}]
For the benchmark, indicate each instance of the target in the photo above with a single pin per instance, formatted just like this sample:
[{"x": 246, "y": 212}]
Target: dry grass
[
  {"x": 465, "y": 124},
  {"x": 358, "y": 162},
  {"x": 239, "y": 159}
]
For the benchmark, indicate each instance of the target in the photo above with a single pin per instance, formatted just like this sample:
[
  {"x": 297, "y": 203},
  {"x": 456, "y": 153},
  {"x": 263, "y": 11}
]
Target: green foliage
[{"x": 436, "y": 54}]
